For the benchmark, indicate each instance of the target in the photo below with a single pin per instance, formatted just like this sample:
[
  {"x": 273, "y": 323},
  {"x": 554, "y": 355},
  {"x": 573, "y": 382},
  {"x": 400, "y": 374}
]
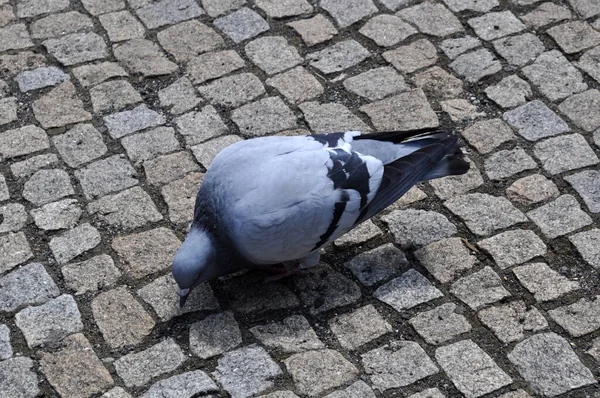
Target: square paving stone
[
  {"x": 589, "y": 62},
  {"x": 113, "y": 96},
  {"x": 487, "y": 135},
  {"x": 586, "y": 8},
  {"x": 431, "y": 19},
  {"x": 4, "y": 193},
  {"x": 480, "y": 288},
  {"x": 18, "y": 379},
  {"x": 378, "y": 264},
  {"x": 513, "y": 247},
  {"x": 446, "y": 258},
  {"x": 27, "y": 285},
  {"x": 249, "y": 295},
  {"x": 587, "y": 185},
  {"x": 397, "y": 364},
  {"x": 565, "y": 153},
  {"x": 546, "y": 14},
  {"x": 233, "y": 91},
  {"x": 409, "y": 58},
  {"x": 549, "y": 364},
  {"x": 146, "y": 252},
  {"x": 495, "y": 25},
  {"x": 323, "y": 289},
  {"x": 214, "y": 335},
  {"x": 588, "y": 246},
  {"x": 166, "y": 168},
  {"x": 246, "y": 371},
  {"x": 242, "y": 24},
  {"x": 543, "y": 282},
  {"x": 583, "y": 109},
  {"x": 405, "y": 111},
  {"x": 180, "y": 196},
  {"x": 121, "y": 319},
  {"x": 532, "y": 189},
  {"x": 145, "y": 146},
  {"x": 74, "y": 242},
  {"x": 315, "y": 30},
  {"x": 184, "y": 385},
  {"x": 144, "y": 57},
  {"x": 29, "y": 166},
  {"x": 359, "y": 327},
  {"x": 189, "y": 39},
  {"x": 387, "y": 30},
  {"x": 214, "y": 8},
  {"x": 476, "y": 65},
  {"x": 437, "y": 83},
  {"x": 81, "y": 144},
  {"x": 6, "y": 350},
  {"x": 441, "y": 324},
  {"x": 41, "y": 77},
  {"x": 162, "y": 295},
  {"x": 413, "y": 228},
  {"x": 510, "y": 92},
  {"x": 363, "y": 233},
  {"x": 284, "y": 8},
  {"x": 407, "y": 291},
  {"x": 473, "y": 5},
  {"x": 268, "y": 115},
  {"x": 91, "y": 275},
  {"x": 325, "y": 118},
  {"x": 504, "y": 164},
  {"x": 450, "y": 186},
  {"x": 31, "y": 8},
  {"x": 60, "y": 107},
  {"x": 14, "y": 37},
  {"x": 97, "y": 7},
  {"x": 74, "y": 370},
  {"x": 455, "y": 47},
  {"x": 338, "y": 57},
  {"x": 296, "y": 85},
  {"x": 14, "y": 250},
  {"x": 483, "y": 213},
  {"x": 127, "y": 122},
  {"x": 376, "y": 84},
  {"x": 471, "y": 369},
  {"x": 77, "y": 48},
  {"x": 512, "y": 321},
  {"x": 122, "y": 25},
  {"x": 314, "y": 372},
  {"x": 535, "y": 120},
  {"x": 105, "y": 176},
  {"x": 47, "y": 186},
  {"x": 49, "y": 322},
  {"x": 137, "y": 369},
  {"x": 14, "y": 217},
  {"x": 13, "y": 64},
  {"x": 554, "y": 76},
  {"x": 128, "y": 209},
  {"x": 92, "y": 74},
  {"x": 205, "y": 153},
  {"x": 179, "y": 97},
  {"x": 460, "y": 110},
  {"x": 579, "y": 318},
  {"x": 213, "y": 65},
  {"x": 293, "y": 334},
  {"x": 59, "y": 24},
  {"x": 357, "y": 389},
  {"x": 272, "y": 54},
  {"x": 168, "y": 12},
  {"x": 574, "y": 36},
  {"x": 348, "y": 12}
]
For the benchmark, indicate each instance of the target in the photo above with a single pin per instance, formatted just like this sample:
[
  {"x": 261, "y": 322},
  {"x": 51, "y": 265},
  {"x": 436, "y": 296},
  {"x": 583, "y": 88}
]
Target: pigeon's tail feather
[
  {"x": 452, "y": 164},
  {"x": 399, "y": 136}
]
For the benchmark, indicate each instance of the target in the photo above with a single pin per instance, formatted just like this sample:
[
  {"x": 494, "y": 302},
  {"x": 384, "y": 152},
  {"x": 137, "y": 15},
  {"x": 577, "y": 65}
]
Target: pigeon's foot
[{"x": 282, "y": 271}]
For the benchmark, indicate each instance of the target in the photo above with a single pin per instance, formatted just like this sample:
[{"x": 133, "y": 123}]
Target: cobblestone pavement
[{"x": 479, "y": 285}]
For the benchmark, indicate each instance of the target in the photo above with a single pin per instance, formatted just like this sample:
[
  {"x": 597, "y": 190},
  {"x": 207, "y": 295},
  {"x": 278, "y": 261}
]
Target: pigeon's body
[{"x": 278, "y": 199}]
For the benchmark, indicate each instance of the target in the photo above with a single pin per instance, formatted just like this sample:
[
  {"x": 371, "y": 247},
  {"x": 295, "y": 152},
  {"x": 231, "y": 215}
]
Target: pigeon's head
[{"x": 194, "y": 262}]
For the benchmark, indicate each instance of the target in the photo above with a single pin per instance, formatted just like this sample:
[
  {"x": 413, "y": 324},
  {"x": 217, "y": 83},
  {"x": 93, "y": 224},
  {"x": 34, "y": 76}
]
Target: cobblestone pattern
[{"x": 486, "y": 284}]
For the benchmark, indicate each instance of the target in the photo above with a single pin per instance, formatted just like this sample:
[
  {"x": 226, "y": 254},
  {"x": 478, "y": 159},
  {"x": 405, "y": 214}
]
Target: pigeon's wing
[{"x": 284, "y": 197}]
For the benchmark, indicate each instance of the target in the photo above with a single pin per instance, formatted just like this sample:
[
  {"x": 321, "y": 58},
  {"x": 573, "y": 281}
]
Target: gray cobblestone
[
  {"x": 81, "y": 144},
  {"x": 513, "y": 247},
  {"x": 242, "y": 24},
  {"x": 59, "y": 24},
  {"x": 6, "y": 350},
  {"x": 476, "y": 65},
  {"x": 60, "y": 107},
  {"x": 588, "y": 62},
  {"x": 91, "y": 275},
  {"x": 346, "y": 14},
  {"x": 179, "y": 97},
  {"x": 14, "y": 37},
  {"x": 213, "y": 65},
  {"x": 297, "y": 85},
  {"x": 329, "y": 117},
  {"x": 18, "y": 379},
  {"x": 573, "y": 37},
  {"x": 377, "y": 265},
  {"x": 446, "y": 258},
  {"x": 293, "y": 334},
  {"x": 338, "y": 57},
  {"x": 579, "y": 318},
  {"x": 480, "y": 288},
  {"x": 76, "y": 48},
  {"x": 363, "y": 233},
  {"x": 40, "y": 78},
  {"x": 92, "y": 74},
  {"x": 387, "y": 30},
  {"x": 407, "y": 291},
  {"x": 166, "y": 168},
  {"x": 185, "y": 385},
  {"x": 214, "y": 8},
  {"x": 26, "y": 285},
  {"x": 143, "y": 57},
  {"x": 455, "y": 47},
  {"x": 13, "y": 216},
  {"x": 265, "y": 116},
  {"x": 74, "y": 242},
  {"x": 418, "y": 227},
  {"x": 495, "y": 25},
  {"x": 586, "y": 184},
  {"x": 113, "y": 96},
  {"x": 14, "y": 250},
  {"x": 432, "y": 19},
  {"x": 487, "y": 135},
  {"x": 47, "y": 186},
  {"x": 473, "y": 5},
  {"x": 504, "y": 164},
  {"x": 122, "y": 25},
  {"x": 127, "y": 122},
  {"x": 315, "y": 30},
  {"x": 436, "y": 82},
  {"x": 583, "y": 109},
  {"x": 189, "y": 39},
  {"x": 535, "y": 120},
  {"x": 545, "y": 14},
  {"x": 387, "y": 114},
  {"x": 441, "y": 324},
  {"x": 97, "y": 7},
  {"x": 359, "y": 327},
  {"x": 180, "y": 196},
  {"x": 543, "y": 282},
  {"x": 206, "y": 152},
  {"x": 167, "y": 12},
  {"x": 145, "y": 146},
  {"x": 510, "y": 322},
  {"x": 587, "y": 246},
  {"x": 214, "y": 335},
  {"x": 234, "y": 90},
  {"x": 128, "y": 209},
  {"x": 29, "y": 166},
  {"x": 272, "y": 54},
  {"x": 510, "y": 92},
  {"x": 565, "y": 153},
  {"x": 417, "y": 55},
  {"x": 106, "y": 176}
]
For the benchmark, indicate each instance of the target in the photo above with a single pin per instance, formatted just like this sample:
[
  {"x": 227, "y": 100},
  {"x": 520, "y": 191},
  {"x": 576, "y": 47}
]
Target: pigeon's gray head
[{"x": 194, "y": 262}]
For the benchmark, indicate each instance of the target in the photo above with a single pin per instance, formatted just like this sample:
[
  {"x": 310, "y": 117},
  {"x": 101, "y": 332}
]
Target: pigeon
[{"x": 278, "y": 200}]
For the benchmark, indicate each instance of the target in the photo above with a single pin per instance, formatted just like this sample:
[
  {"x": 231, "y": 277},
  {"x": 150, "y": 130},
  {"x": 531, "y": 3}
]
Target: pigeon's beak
[{"x": 183, "y": 295}]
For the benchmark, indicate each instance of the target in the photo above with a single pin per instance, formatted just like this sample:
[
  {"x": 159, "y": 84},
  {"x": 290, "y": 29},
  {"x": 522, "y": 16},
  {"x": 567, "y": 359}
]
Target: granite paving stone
[
  {"x": 397, "y": 364},
  {"x": 206, "y": 152},
  {"x": 511, "y": 322},
  {"x": 233, "y": 91},
  {"x": 113, "y": 96},
  {"x": 18, "y": 379},
  {"x": 4, "y": 193},
  {"x": 359, "y": 327},
  {"x": 549, "y": 364},
  {"x": 585, "y": 8},
  {"x": 249, "y": 295},
  {"x": 565, "y": 153},
  {"x": 123, "y": 322},
  {"x": 355, "y": 390},
  {"x": 81, "y": 144},
  {"x": 121, "y": 25},
  {"x": 147, "y": 252},
  {"x": 487, "y": 135},
  {"x": 214, "y": 335},
  {"x": 480, "y": 289},
  {"x": 141, "y": 56},
  {"x": 455, "y": 47},
  {"x": 437, "y": 83},
  {"x": 495, "y": 25},
  {"x": 387, "y": 30},
  {"x": 589, "y": 63},
  {"x": 446, "y": 258},
  {"x": 246, "y": 371},
  {"x": 272, "y": 54},
  {"x": 161, "y": 295},
  {"x": 293, "y": 334},
  {"x": 74, "y": 242},
  {"x": 76, "y": 48},
  {"x": 265, "y": 116},
  {"x": 284, "y": 8},
  {"x": 314, "y": 372},
  {"x": 328, "y": 117},
  {"x": 315, "y": 30},
  {"x": 546, "y": 14},
  {"x": 513, "y": 247},
  {"x": 460, "y": 110},
  {"x": 409, "y": 58},
  {"x": 579, "y": 318},
  {"x": 49, "y": 322},
  {"x": 404, "y": 111},
  {"x": 180, "y": 197},
  {"x": 184, "y": 385},
  {"x": 432, "y": 19},
  {"x": 349, "y": 12},
  {"x": 13, "y": 216},
  {"x": 168, "y": 12},
  {"x": 166, "y": 168},
  {"x": 363, "y": 233},
  {"x": 534, "y": 121},
  {"x": 105, "y": 176},
  {"x": 90, "y": 275},
  {"x": 189, "y": 39},
  {"x": 297, "y": 85},
  {"x": 125, "y": 210},
  {"x": 29, "y": 166},
  {"x": 44, "y": 76},
  {"x": 14, "y": 250},
  {"x": 587, "y": 184},
  {"x": 14, "y": 37},
  {"x": 242, "y": 24},
  {"x": 510, "y": 92},
  {"x": 6, "y": 350},
  {"x": 554, "y": 76},
  {"x": 476, "y": 65},
  {"x": 97, "y": 7},
  {"x": 27, "y": 285},
  {"x": 407, "y": 291},
  {"x": 214, "y": 8},
  {"x": 13, "y": 64},
  {"x": 137, "y": 369},
  {"x": 504, "y": 164},
  {"x": 440, "y": 324},
  {"x": 338, "y": 57},
  {"x": 587, "y": 245},
  {"x": 213, "y": 65},
  {"x": 148, "y": 145},
  {"x": 378, "y": 265},
  {"x": 46, "y": 186},
  {"x": 472, "y": 5},
  {"x": 60, "y": 24},
  {"x": 543, "y": 282},
  {"x": 414, "y": 228},
  {"x": 60, "y": 107},
  {"x": 429, "y": 393},
  {"x": 92, "y": 74},
  {"x": 179, "y": 97},
  {"x": 127, "y": 122},
  {"x": 471, "y": 369},
  {"x": 583, "y": 109},
  {"x": 31, "y": 8},
  {"x": 450, "y": 186},
  {"x": 574, "y": 36}
]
